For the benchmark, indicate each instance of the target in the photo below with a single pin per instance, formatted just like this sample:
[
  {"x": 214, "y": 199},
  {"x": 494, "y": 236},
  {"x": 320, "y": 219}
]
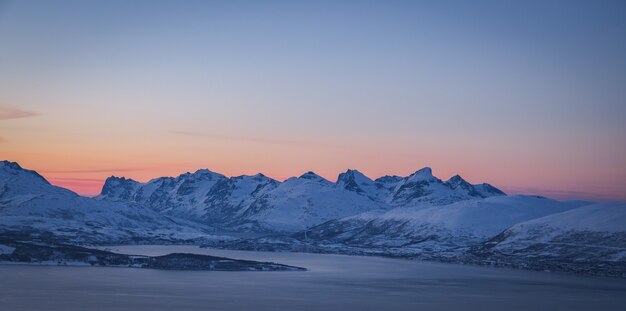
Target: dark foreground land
[{"x": 31, "y": 253}]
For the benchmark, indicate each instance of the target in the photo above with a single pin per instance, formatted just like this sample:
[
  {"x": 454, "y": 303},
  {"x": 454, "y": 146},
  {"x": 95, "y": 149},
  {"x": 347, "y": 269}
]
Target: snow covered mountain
[
  {"x": 243, "y": 202},
  {"x": 594, "y": 232},
  {"x": 31, "y": 206},
  {"x": 260, "y": 203},
  {"x": 418, "y": 216},
  {"x": 180, "y": 196},
  {"x": 204, "y": 200},
  {"x": 301, "y": 202},
  {"x": 419, "y": 188},
  {"x": 204, "y": 196}
]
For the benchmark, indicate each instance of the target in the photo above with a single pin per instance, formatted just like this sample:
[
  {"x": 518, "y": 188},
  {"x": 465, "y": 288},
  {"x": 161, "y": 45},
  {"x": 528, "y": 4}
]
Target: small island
[{"x": 13, "y": 252}]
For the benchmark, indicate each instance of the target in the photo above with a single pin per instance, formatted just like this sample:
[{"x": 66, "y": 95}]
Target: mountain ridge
[
  {"x": 309, "y": 199},
  {"x": 416, "y": 216}
]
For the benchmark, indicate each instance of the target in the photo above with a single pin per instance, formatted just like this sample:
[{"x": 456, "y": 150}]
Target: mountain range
[
  {"x": 417, "y": 216},
  {"x": 260, "y": 203},
  {"x": 30, "y": 207}
]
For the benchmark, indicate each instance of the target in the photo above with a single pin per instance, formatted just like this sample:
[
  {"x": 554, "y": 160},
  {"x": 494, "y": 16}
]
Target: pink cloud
[
  {"x": 247, "y": 139},
  {"x": 8, "y": 113},
  {"x": 102, "y": 170}
]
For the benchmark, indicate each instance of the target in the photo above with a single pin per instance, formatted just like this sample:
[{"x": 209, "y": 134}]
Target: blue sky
[{"x": 528, "y": 95}]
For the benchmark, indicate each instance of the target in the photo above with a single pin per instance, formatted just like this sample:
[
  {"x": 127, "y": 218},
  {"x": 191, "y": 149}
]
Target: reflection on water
[{"x": 333, "y": 282}]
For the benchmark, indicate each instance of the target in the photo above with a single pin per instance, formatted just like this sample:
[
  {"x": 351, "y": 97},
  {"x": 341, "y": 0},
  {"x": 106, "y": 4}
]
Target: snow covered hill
[
  {"x": 31, "y": 206},
  {"x": 590, "y": 233},
  {"x": 436, "y": 229}
]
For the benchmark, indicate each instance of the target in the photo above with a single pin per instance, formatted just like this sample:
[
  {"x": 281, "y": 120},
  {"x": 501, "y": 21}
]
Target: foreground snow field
[{"x": 332, "y": 282}]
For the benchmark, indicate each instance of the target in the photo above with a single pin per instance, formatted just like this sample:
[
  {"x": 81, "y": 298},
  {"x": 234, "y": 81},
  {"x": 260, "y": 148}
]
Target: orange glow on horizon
[
  {"x": 531, "y": 102},
  {"x": 84, "y": 163},
  {"x": 92, "y": 186}
]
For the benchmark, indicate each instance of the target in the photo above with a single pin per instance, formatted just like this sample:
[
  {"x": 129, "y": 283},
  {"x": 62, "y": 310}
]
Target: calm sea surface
[{"x": 333, "y": 282}]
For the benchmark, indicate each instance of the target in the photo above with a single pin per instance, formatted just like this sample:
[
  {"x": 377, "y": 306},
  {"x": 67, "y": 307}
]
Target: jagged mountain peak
[
  {"x": 483, "y": 190},
  {"x": 388, "y": 179},
  {"x": 119, "y": 188},
  {"x": 205, "y": 171},
  {"x": 256, "y": 177},
  {"x": 201, "y": 174},
  {"x": 353, "y": 174},
  {"x": 351, "y": 171},
  {"x": 354, "y": 180},
  {"x": 5, "y": 164},
  {"x": 312, "y": 176},
  {"x": 114, "y": 178},
  {"x": 422, "y": 174},
  {"x": 457, "y": 181}
]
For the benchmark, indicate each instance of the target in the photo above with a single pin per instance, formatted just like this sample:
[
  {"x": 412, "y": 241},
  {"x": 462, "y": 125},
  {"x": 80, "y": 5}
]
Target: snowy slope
[
  {"x": 301, "y": 202},
  {"x": 437, "y": 228},
  {"x": 591, "y": 232},
  {"x": 18, "y": 185},
  {"x": 29, "y": 204}
]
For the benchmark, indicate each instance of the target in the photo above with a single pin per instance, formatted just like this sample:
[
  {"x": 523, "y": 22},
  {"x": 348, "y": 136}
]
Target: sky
[{"x": 529, "y": 96}]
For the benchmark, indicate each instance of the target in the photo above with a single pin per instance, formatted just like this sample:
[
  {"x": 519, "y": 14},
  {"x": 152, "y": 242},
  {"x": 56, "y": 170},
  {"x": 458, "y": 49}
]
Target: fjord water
[{"x": 333, "y": 282}]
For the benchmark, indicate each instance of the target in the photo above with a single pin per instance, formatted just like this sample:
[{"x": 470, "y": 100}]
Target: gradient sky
[{"x": 527, "y": 95}]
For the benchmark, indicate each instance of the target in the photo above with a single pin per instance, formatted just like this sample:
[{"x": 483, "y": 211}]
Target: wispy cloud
[
  {"x": 8, "y": 113},
  {"x": 101, "y": 170},
  {"x": 245, "y": 138},
  {"x": 82, "y": 180}
]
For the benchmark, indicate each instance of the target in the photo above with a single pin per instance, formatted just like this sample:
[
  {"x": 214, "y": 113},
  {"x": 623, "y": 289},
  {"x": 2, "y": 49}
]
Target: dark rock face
[
  {"x": 349, "y": 182},
  {"x": 457, "y": 182},
  {"x": 411, "y": 191},
  {"x": 121, "y": 188}
]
